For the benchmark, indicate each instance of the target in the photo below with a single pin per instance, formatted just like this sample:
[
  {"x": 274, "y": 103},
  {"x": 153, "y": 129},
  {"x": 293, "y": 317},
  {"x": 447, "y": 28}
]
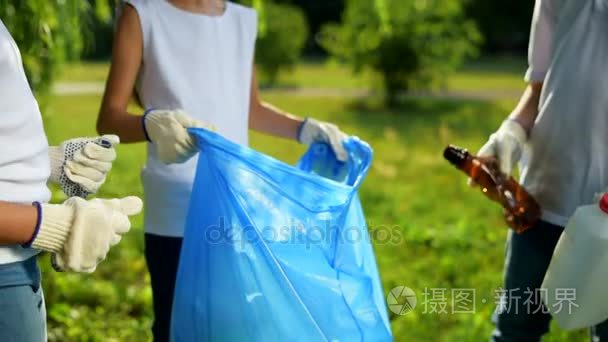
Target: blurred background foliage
[
  {"x": 411, "y": 44},
  {"x": 281, "y": 39},
  {"x": 505, "y": 25},
  {"x": 49, "y": 33}
]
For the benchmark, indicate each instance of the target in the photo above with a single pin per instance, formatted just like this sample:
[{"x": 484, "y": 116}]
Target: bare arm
[
  {"x": 126, "y": 60},
  {"x": 527, "y": 109},
  {"x": 17, "y": 223},
  {"x": 542, "y": 31},
  {"x": 266, "y": 118}
]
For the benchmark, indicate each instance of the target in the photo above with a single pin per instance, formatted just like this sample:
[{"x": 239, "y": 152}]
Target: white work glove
[
  {"x": 80, "y": 165},
  {"x": 80, "y": 232},
  {"x": 506, "y": 145},
  {"x": 167, "y": 130},
  {"x": 312, "y": 131}
]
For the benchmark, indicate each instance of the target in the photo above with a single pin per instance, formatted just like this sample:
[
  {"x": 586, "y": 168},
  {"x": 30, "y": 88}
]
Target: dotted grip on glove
[{"x": 70, "y": 188}]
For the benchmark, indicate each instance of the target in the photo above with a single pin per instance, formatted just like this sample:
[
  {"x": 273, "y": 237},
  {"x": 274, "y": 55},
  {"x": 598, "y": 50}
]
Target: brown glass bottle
[{"x": 521, "y": 211}]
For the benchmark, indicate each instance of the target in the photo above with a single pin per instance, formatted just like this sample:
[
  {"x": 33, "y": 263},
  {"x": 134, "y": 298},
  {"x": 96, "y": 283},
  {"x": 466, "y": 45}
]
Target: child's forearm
[
  {"x": 268, "y": 119},
  {"x": 126, "y": 125},
  {"x": 527, "y": 109},
  {"x": 17, "y": 223},
  {"x": 126, "y": 61}
]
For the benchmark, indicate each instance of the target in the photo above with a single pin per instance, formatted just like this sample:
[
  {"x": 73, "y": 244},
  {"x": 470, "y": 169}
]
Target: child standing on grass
[
  {"x": 561, "y": 128},
  {"x": 78, "y": 232},
  {"x": 190, "y": 63}
]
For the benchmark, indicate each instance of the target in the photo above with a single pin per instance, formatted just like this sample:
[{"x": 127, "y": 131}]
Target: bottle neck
[{"x": 457, "y": 156}]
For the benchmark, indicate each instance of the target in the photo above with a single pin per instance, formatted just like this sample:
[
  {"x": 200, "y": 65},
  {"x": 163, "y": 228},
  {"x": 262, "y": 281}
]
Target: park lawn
[
  {"x": 503, "y": 74},
  {"x": 84, "y": 72},
  {"x": 498, "y": 74},
  {"x": 443, "y": 235}
]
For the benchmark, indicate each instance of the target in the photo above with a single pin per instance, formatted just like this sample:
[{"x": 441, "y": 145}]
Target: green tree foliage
[
  {"x": 318, "y": 13},
  {"x": 410, "y": 43},
  {"x": 48, "y": 32},
  {"x": 279, "y": 45},
  {"x": 100, "y": 30}
]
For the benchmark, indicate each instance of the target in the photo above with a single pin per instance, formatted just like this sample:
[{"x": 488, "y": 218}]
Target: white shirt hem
[
  {"x": 554, "y": 218},
  {"x": 10, "y": 254}
]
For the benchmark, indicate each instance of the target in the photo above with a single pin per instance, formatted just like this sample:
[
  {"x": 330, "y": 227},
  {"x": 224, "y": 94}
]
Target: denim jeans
[
  {"x": 522, "y": 316},
  {"x": 22, "y": 311}
]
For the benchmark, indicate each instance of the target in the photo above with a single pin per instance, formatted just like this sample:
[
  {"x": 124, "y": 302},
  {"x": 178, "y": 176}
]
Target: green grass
[
  {"x": 85, "y": 72},
  {"x": 495, "y": 75},
  {"x": 447, "y": 235}
]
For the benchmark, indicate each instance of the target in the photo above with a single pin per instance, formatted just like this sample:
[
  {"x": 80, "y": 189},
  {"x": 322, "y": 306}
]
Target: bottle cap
[
  {"x": 455, "y": 155},
  {"x": 604, "y": 203}
]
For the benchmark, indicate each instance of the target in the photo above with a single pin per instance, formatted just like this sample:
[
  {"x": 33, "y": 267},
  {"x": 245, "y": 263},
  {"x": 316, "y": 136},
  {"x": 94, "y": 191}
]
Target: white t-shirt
[
  {"x": 203, "y": 65},
  {"x": 541, "y": 38},
  {"x": 24, "y": 163},
  {"x": 566, "y": 160}
]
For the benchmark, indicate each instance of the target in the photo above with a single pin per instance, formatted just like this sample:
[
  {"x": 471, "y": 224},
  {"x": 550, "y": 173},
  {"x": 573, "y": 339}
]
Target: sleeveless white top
[
  {"x": 203, "y": 65},
  {"x": 24, "y": 161}
]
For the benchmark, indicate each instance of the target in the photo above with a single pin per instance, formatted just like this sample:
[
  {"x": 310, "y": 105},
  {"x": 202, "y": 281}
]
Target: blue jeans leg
[
  {"x": 523, "y": 317},
  {"x": 22, "y": 312}
]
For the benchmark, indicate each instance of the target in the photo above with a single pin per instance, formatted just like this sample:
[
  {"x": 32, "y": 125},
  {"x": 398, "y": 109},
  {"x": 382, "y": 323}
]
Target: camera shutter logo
[{"x": 401, "y": 300}]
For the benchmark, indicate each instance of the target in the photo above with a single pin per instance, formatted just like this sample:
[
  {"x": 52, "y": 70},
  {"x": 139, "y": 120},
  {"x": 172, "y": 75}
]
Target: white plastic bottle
[{"x": 575, "y": 288}]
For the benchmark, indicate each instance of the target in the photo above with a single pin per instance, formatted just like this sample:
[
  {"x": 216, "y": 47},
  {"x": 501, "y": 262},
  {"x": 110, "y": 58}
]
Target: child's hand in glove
[
  {"x": 82, "y": 162},
  {"x": 312, "y": 131},
  {"x": 506, "y": 145},
  {"x": 81, "y": 232},
  {"x": 167, "y": 130}
]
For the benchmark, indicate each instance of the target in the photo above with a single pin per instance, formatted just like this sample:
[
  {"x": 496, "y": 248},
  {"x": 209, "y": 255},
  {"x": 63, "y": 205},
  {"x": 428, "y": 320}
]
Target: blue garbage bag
[{"x": 273, "y": 252}]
